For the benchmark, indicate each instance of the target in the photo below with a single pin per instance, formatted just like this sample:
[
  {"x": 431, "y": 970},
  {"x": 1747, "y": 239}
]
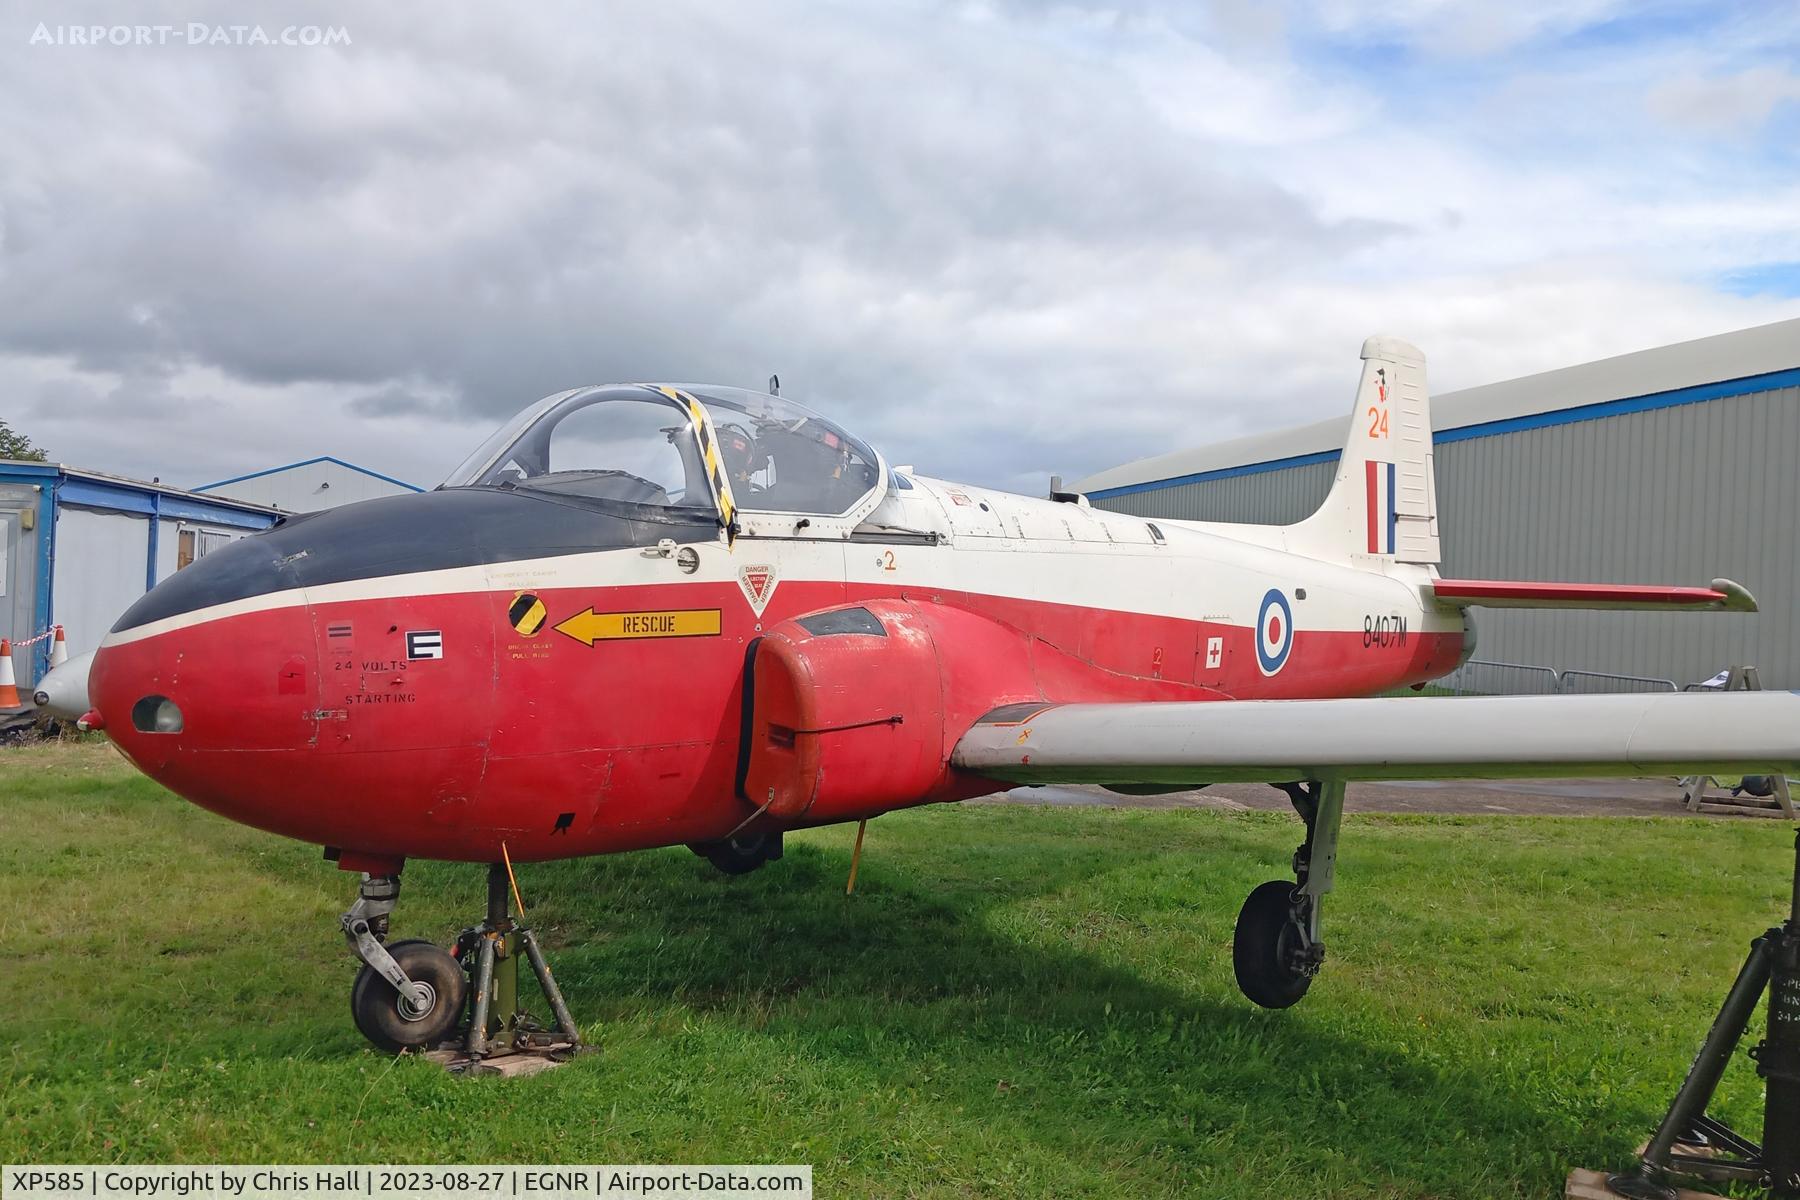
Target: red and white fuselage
[{"x": 305, "y": 710}]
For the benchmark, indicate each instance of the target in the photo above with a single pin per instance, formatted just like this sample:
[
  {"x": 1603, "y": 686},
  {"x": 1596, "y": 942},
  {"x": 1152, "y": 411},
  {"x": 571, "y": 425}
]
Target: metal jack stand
[
  {"x": 498, "y": 1027},
  {"x": 1774, "y": 966},
  {"x": 1694, "y": 787}
]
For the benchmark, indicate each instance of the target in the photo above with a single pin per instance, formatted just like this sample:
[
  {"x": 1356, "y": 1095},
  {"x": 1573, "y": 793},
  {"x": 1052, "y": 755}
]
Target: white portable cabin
[{"x": 79, "y": 547}]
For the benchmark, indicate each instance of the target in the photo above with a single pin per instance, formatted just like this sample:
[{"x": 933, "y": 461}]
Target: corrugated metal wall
[
  {"x": 1670, "y": 495},
  {"x": 1265, "y": 498}
]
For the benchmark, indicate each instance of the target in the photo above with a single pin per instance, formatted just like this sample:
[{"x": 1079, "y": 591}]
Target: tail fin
[{"x": 1383, "y": 503}]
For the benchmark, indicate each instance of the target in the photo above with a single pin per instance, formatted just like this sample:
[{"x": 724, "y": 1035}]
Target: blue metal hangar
[
  {"x": 81, "y": 546},
  {"x": 1672, "y": 465}
]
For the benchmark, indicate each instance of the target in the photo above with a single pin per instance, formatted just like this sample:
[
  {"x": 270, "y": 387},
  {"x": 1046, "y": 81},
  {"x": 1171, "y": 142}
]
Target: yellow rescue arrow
[{"x": 588, "y": 626}]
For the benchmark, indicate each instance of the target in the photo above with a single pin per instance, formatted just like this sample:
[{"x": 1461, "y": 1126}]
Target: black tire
[
  {"x": 740, "y": 855},
  {"x": 1262, "y": 945},
  {"x": 365, "y": 979},
  {"x": 375, "y": 1003}
]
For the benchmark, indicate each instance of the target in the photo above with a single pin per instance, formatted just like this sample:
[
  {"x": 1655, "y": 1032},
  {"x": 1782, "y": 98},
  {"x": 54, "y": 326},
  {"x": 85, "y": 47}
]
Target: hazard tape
[
  {"x": 49, "y": 633},
  {"x": 715, "y": 463}
]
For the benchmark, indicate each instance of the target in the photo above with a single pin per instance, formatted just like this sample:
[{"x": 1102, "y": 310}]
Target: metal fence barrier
[
  {"x": 1478, "y": 677},
  {"x": 1481, "y": 677},
  {"x": 1597, "y": 681}
]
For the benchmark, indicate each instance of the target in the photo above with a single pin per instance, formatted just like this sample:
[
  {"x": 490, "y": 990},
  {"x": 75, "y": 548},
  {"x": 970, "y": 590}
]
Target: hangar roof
[
  {"x": 307, "y": 462},
  {"x": 1761, "y": 357},
  {"x": 100, "y": 489}
]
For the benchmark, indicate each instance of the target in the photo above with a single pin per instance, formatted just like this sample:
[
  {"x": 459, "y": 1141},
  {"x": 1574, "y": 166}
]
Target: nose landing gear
[
  {"x": 421, "y": 1015},
  {"x": 1277, "y": 948},
  {"x": 413, "y": 995}
]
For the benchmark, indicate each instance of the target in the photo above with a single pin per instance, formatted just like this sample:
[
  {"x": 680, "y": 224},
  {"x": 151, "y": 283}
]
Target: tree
[{"x": 17, "y": 445}]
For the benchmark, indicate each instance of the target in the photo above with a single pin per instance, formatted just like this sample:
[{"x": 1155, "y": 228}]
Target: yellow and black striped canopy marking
[{"x": 715, "y": 463}]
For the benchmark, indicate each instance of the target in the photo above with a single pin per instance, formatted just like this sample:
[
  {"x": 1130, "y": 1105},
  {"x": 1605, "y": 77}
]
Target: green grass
[{"x": 1016, "y": 1002}]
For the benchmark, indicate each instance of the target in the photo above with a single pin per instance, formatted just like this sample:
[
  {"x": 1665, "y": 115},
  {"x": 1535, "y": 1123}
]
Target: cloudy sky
[{"x": 999, "y": 239}]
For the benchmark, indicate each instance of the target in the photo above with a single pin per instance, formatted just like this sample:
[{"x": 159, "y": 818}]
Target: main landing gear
[
  {"x": 412, "y": 995},
  {"x": 1277, "y": 949},
  {"x": 741, "y": 854}
]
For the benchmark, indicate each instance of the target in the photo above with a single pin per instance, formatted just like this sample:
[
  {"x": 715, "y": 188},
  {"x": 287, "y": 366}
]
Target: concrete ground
[{"x": 1544, "y": 797}]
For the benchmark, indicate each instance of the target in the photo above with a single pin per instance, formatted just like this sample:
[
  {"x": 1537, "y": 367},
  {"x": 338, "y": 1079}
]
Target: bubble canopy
[{"x": 637, "y": 444}]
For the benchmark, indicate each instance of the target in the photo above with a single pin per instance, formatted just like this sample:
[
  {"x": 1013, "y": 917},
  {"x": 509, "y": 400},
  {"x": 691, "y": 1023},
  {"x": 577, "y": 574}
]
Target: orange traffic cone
[
  {"x": 59, "y": 650},
  {"x": 9, "y": 684}
]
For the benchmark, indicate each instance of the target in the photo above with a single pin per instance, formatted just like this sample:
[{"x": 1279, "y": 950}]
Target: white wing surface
[{"x": 1413, "y": 737}]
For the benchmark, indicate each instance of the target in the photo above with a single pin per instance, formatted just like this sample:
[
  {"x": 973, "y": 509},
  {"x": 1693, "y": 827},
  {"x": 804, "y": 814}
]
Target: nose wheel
[
  {"x": 1277, "y": 948},
  {"x": 413, "y": 995},
  {"x": 393, "y": 1021}
]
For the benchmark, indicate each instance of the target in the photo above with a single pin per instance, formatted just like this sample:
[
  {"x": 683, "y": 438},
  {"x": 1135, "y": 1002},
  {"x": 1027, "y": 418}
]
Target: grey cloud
[
  {"x": 504, "y": 215},
  {"x": 976, "y": 238},
  {"x": 395, "y": 401}
]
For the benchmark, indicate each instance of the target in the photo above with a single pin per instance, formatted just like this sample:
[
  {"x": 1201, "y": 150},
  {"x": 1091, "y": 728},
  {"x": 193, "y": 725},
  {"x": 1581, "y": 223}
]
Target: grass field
[{"x": 1016, "y": 1002}]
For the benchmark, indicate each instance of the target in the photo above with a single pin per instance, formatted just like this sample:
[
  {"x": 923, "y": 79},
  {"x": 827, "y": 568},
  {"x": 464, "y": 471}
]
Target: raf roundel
[{"x": 1274, "y": 632}]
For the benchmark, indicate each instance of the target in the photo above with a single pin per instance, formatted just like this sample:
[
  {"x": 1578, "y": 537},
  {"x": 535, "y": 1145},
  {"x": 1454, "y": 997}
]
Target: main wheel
[
  {"x": 740, "y": 855},
  {"x": 390, "y": 1023},
  {"x": 1263, "y": 947}
]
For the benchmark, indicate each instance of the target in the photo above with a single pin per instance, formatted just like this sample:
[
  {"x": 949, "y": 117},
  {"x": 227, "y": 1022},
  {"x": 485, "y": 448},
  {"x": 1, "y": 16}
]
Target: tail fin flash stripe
[
  {"x": 1393, "y": 510},
  {"x": 1370, "y": 522},
  {"x": 1380, "y": 511}
]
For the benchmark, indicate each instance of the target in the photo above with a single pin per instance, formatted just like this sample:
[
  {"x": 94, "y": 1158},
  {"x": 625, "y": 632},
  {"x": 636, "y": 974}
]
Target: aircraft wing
[
  {"x": 1411, "y": 737},
  {"x": 1722, "y": 596}
]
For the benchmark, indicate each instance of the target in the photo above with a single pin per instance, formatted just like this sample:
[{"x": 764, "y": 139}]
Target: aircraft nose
[
  {"x": 223, "y": 655},
  {"x": 223, "y": 651},
  {"x": 218, "y": 659},
  {"x": 289, "y": 677}
]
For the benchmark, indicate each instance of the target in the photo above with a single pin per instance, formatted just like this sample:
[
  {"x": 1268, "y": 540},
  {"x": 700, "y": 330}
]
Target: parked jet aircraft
[{"x": 644, "y": 616}]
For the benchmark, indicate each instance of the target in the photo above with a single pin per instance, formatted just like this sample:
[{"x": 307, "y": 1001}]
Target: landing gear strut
[
  {"x": 412, "y": 995},
  {"x": 1277, "y": 948},
  {"x": 407, "y": 995}
]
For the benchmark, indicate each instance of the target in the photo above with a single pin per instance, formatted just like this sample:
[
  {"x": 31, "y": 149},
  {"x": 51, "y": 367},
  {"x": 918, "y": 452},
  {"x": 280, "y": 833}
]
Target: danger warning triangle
[{"x": 758, "y": 583}]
